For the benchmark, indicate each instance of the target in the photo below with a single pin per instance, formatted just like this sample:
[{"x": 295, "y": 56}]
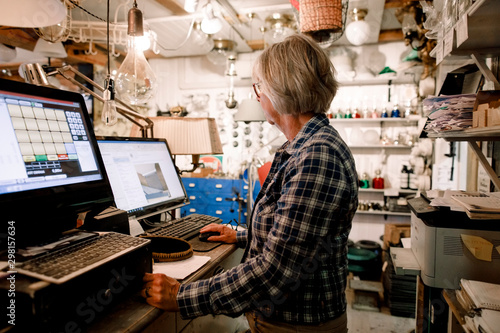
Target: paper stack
[
  {"x": 449, "y": 113},
  {"x": 481, "y": 300},
  {"x": 479, "y": 206}
]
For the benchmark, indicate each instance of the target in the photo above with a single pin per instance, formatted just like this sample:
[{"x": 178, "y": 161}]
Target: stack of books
[{"x": 481, "y": 300}]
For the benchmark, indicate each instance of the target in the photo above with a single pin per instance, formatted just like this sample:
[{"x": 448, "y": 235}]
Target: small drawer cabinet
[{"x": 223, "y": 198}]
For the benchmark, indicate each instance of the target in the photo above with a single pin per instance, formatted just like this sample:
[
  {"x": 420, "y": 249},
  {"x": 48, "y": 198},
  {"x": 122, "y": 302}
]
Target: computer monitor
[
  {"x": 51, "y": 168},
  {"x": 142, "y": 175}
]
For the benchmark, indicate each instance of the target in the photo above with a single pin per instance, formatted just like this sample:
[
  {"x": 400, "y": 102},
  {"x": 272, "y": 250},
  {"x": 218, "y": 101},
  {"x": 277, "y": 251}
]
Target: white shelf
[
  {"x": 376, "y": 190},
  {"x": 470, "y": 134},
  {"x": 380, "y": 146},
  {"x": 410, "y": 120},
  {"x": 406, "y": 79},
  {"x": 379, "y": 212}
]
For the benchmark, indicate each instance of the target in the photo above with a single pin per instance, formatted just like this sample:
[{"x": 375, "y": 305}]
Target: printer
[{"x": 440, "y": 255}]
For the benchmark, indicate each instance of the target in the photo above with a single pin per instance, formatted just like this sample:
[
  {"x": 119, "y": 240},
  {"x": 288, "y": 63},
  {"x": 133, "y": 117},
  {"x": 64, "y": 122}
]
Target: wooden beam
[
  {"x": 17, "y": 37},
  {"x": 392, "y": 35},
  {"x": 174, "y": 6},
  {"x": 76, "y": 54}
]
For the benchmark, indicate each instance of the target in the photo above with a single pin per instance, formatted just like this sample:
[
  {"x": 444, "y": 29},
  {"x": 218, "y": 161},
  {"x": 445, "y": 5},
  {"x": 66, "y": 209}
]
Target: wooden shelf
[{"x": 410, "y": 120}]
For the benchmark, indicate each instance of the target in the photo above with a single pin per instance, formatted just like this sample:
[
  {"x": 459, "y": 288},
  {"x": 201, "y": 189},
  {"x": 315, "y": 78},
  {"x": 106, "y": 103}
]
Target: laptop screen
[
  {"x": 142, "y": 175},
  {"x": 50, "y": 164}
]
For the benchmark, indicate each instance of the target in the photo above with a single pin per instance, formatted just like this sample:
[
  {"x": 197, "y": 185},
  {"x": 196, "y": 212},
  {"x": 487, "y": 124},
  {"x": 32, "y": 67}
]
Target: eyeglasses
[{"x": 256, "y": 89}]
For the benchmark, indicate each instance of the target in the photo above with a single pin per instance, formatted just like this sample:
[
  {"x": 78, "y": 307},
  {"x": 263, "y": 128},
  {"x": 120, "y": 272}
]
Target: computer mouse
[{"x": 205, "y": 235}]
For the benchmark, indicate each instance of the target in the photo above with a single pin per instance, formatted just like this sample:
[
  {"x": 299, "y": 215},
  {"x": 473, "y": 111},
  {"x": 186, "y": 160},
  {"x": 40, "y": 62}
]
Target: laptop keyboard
[
  {"x": 185, "y": 227},
  {"x": 71, "y": 261}
]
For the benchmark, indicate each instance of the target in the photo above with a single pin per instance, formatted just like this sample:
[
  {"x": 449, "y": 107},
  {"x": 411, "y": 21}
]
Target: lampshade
[
  {"x": 50, "y": 50},
  {"x": 221, "y": 51},
  {"x": 32, "y": 13},
  {"x": 187, "y": 136},
  {"x": 249, "y": 110}
]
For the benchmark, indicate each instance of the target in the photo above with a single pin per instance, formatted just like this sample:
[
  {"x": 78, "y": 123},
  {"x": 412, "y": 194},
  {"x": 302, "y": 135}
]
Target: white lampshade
[
  {"x": 249, "y": 110},
  {"x": 357, "y": 32},
  {"x": 50, "y": 50},
  {"x": 32, "y": 13}
]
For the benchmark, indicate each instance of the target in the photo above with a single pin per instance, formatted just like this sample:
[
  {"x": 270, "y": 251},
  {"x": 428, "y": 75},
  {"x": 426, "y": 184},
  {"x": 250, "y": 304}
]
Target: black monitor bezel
[
  {"x": 48, "y": 212},
  {"x": 158, "y": 208}
]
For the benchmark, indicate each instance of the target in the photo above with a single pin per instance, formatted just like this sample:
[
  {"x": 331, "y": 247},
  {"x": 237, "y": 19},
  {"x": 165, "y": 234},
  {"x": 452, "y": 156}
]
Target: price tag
[
  {"x": 448, "y": 43},
  {"x": 462, "y": 31},
  {"x": 439, "y": 52}
]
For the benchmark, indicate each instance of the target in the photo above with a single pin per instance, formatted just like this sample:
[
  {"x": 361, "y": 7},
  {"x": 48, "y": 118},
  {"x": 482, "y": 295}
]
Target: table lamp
[{"x": 187, "y": 136}]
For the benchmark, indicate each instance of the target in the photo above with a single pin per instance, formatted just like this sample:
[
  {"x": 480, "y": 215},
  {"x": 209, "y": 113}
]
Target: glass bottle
[
  {"x": 364, "y": 182},
  {"x": 395, "y": 111},
  {"x": 378, "y": 181}
]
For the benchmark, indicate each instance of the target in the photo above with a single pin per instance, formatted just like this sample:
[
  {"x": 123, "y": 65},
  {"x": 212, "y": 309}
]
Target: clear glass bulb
[
  {"x": 135, "y": 81},
  {"x": 109, "y": 116}
]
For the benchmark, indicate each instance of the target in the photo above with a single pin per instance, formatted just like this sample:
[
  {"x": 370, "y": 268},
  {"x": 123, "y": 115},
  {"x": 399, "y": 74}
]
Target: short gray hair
[{"x": 297, "y": 76}]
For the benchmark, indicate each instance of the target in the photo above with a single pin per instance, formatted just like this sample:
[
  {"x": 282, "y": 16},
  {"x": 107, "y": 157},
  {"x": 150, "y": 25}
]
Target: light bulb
[
  {"x": 109, "y": 115},
  {"x": 136, "y": 81},
  {"x": 357, "y": 32},
  {"x": 210, "y": 24}
]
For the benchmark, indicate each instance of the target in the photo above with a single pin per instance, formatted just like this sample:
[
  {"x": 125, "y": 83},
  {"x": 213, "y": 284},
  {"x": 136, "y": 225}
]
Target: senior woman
[{"x": 293, "y": 273}]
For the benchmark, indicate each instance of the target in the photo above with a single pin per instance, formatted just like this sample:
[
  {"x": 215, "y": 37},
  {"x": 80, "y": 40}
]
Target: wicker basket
[{"x": 318, "y": 15}]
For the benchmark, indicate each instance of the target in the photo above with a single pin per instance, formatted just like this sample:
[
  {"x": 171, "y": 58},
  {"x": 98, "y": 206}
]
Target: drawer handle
[
  {"x": 218, "y": 185},
  {"x": 192, "y": 185},
  {"x": 218, "y": 212},
  {"x": 218, "y": 199},
  {"x": 192, "y": 197},
  {"x": 192, "y": 210}
]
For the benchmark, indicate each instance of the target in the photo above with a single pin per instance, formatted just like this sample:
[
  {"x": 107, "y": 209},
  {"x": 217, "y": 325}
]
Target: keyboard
[
  {"x": 65, "y": 264},
  {"x": 185, "y": 227}
]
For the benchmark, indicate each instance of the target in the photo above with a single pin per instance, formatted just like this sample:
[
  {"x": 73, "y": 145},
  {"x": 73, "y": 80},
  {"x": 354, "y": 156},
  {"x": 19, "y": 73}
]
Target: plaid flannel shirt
[{"x": 295, "y": 264}]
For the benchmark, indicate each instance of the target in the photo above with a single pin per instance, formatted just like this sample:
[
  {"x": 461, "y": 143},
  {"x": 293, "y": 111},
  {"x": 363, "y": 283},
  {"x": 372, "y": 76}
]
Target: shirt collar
[{"x": 312, "y": 126}]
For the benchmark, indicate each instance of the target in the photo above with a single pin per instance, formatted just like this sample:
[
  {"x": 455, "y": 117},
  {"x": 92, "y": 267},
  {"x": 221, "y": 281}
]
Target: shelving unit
[
  {"x": 476, "y": 27},
  {"x": 396, "y": 150},
  {"x": 472, "y": 135}
]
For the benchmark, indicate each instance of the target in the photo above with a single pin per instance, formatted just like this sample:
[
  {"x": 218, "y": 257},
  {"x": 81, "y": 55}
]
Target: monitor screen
[
  {"x": 142, "y": 175},
  {"x": 50, "y": 162}
]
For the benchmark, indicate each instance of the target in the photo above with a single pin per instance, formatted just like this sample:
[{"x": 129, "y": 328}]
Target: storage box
[
  {"x": 486, "y": 112},
  {"x": 394, "y": 232}
]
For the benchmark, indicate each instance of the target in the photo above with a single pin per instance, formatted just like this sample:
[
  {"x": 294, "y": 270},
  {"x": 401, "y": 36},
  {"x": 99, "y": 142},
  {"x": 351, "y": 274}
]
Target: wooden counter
[{"x": 135, "y": 315}]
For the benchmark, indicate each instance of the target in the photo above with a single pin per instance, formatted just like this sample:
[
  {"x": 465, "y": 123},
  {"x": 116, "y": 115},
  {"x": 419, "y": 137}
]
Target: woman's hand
[
  {"x": 161, "y": 291},
  {"x": 226, "y": 234}
]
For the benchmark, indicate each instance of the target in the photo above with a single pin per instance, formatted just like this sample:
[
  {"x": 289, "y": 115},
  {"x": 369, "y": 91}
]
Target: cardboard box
[
  {"x": 486, "y": 109},
  {"x": 393, "y": 234}
]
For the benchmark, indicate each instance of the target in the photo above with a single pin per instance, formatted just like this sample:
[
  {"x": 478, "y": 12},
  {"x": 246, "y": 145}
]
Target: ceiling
[{"x": 171, "y": 23}]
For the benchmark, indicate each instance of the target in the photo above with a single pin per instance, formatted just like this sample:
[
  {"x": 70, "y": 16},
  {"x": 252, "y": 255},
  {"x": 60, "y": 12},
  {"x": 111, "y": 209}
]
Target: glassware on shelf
[
  {"x": 364, "y": 181},
  {"x": 378, "y": 181}
]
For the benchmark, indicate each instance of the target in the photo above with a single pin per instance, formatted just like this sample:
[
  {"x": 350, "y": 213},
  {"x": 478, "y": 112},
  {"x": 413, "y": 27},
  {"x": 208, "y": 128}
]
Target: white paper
[
  {"x": 135, "y": 226},
  {"x": 180, "y": 269}
]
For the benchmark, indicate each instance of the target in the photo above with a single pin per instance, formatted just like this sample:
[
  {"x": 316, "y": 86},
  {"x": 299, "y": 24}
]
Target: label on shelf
[
  {"x": 439, "y": 52},
  {"x": 462, "y": 31},
  {"x": 448, "y": 42}
]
